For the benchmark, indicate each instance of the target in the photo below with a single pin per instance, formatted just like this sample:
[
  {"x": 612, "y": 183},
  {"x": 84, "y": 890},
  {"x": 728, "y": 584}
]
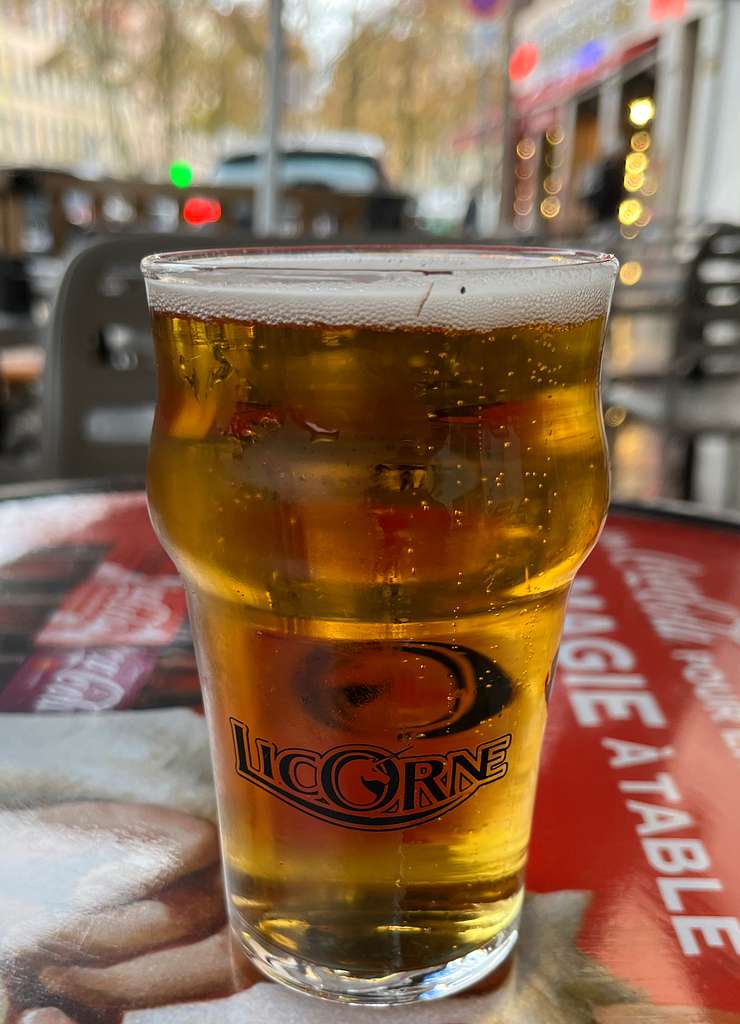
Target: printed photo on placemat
[{"x": 111, "y": 905}]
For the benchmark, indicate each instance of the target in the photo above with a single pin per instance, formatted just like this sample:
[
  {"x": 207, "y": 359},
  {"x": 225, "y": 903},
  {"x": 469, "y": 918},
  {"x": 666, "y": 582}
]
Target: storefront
[{"x": 611, "y": 109}]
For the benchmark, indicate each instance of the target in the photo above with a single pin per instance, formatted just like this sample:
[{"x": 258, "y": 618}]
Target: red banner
[{"x": 638, "y": 790}]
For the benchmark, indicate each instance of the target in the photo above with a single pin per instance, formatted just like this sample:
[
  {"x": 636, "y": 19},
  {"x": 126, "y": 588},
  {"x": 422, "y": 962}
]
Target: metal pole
[
  {"x": 506, "y": 208},
  {"x": 266, "y": 213},
  {"x": 610, "y": 116},
  {"x": 482, "y": 102}
]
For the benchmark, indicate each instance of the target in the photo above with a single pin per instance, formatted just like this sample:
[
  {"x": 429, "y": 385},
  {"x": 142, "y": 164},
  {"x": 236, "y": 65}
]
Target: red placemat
[{"x": 634, "y": 869}]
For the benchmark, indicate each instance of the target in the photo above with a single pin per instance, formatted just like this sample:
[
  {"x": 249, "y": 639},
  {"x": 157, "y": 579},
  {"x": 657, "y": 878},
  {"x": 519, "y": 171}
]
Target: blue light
[{"x": 589, "y": 55}]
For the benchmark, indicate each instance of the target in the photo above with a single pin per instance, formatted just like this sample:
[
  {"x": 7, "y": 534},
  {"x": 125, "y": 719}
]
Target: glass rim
[{"x": 540, "y": 258}]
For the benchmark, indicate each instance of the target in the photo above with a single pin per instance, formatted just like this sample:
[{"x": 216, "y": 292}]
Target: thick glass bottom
[{"x": 434, "y": 982}]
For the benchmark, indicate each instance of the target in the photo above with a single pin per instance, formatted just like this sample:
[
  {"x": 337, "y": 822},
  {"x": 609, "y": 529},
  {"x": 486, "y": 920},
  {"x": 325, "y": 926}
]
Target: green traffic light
[{"x": 181, "y": 173}]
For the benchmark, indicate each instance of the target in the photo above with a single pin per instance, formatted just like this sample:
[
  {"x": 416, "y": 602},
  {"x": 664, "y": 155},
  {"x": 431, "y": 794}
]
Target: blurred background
[{"x": 133, "y": 126}]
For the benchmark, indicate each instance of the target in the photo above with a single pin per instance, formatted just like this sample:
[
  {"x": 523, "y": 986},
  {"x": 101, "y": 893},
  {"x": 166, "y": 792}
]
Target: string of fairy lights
[
  {"x": 526, "y": 183},
  {"x": 639, "y": 183}
]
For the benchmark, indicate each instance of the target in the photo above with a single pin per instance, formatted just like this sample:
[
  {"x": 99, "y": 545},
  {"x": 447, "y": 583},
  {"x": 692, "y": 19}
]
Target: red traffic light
[
  {"x": 201, "y": 210},
  {"x": 523, "y": 61}
]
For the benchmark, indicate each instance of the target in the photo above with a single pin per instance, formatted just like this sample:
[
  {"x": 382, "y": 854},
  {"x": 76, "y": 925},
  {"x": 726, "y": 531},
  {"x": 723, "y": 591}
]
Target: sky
[{"x": 326, "y": 24}]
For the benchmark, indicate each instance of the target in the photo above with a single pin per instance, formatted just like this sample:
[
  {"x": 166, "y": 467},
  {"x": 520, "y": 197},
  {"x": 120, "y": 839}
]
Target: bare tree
[
  {"x": 405, "y": 74},
  {"x": 173, "y": 65}
]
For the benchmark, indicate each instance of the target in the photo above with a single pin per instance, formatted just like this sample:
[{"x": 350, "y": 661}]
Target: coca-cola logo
[
  {"x": 363, "y": 786},
  {"x": 90, "y": 679}
]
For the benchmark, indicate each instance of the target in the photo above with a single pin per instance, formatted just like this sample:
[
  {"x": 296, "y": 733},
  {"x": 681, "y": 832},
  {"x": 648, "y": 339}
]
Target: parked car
[{"x": 347, "y": 163}]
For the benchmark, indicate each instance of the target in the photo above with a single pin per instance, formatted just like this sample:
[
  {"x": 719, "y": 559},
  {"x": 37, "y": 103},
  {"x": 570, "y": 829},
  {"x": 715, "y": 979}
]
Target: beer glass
[{"x": 377, "y": 470}]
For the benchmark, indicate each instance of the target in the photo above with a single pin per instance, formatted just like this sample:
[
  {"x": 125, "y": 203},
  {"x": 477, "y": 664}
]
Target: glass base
[{"x": 389, "y": 990}]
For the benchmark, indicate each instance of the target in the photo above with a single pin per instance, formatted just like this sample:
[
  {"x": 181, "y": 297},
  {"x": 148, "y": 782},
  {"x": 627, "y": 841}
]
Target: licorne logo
[{"x": 367, "y": 787}]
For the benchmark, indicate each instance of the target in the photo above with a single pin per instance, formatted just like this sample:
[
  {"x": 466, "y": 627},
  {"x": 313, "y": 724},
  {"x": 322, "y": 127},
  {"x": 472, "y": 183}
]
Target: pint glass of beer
[{"x": 377, "y": 471}]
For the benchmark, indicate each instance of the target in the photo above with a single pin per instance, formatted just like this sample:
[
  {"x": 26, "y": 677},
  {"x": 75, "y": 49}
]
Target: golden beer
[{"x": 377, "y": 473}]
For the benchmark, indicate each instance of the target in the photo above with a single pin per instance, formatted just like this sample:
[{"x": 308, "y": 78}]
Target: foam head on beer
[
  {"x": 452, "y": 290},
  {"x": 378, "y": 472}
]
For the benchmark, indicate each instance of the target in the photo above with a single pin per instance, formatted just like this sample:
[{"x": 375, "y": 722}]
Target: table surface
[{"x": 110, "y": 903}]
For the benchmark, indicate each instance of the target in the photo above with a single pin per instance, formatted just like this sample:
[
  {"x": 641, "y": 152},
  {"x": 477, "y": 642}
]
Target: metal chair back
[
  {"x": 99, "y": 379},
  {"x": 709, "y": 332}
]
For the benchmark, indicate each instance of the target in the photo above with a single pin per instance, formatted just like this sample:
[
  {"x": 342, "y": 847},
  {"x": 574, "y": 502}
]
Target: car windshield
[{"x": 340, "y": 171}]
